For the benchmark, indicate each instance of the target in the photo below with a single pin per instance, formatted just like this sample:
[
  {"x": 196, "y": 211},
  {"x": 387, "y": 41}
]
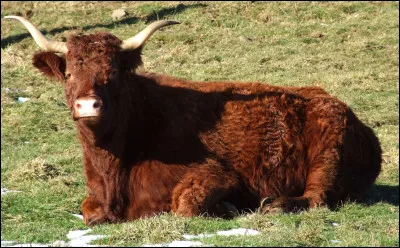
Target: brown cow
[{"x": 153, "y": 143}]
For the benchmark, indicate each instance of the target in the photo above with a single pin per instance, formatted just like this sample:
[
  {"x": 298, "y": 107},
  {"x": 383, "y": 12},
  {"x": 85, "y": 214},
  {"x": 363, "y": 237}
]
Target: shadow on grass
[
  {"x": 17, "y": 38},
  {"x": 383, "y": 193},
  {"x": 376, "y": 194},
  {"x": 130, "y": 20},
  {"x": 171, "y": 11}
]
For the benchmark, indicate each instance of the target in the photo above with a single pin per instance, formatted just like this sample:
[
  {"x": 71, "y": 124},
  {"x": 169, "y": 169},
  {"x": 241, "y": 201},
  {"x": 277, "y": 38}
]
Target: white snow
[
  {"x": 177, "y": 243},
  {"x": 198, "y": 236},
  {"x": 84, "y": 240},
  {"x": 185, "y": 243},
  {"x": 29, "y": 245},
  {"x": 78, "y": 216},
  {"x": 6, "y": 191},
  {"x": 77, "y": 239},
  {"x": 77, "y": 233},
  {"x": 22, "y": 99},
  {"x": 238, "y": 231},
  {"x": 7, "y": 243}
]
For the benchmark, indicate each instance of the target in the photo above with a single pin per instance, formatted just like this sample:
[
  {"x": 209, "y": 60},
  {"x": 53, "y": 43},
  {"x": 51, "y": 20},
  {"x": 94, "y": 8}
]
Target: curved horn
[
  {"x": 41, "y": 40},
  {"x": 139, "y": 39}
]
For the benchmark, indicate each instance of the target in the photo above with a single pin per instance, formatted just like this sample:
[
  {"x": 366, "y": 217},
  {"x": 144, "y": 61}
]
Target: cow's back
[
  {"x": 254, "y": 128},
  {"x": 269, "y": 134}
]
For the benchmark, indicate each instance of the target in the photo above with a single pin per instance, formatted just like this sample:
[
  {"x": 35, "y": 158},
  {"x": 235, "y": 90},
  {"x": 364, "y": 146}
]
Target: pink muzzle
[{"x": 87, "y": 107}]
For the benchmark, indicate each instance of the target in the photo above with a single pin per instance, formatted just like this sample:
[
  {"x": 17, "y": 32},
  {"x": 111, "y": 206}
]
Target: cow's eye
[{"x": 67, "y": 76}]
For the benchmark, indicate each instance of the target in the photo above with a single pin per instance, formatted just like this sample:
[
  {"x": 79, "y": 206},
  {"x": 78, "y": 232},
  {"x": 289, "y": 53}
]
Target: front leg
[
  {"x": 106, "y": 181},
  {"x": 96, "y": 211},
  {"x": 285, "y": 204},
  {"x": 203, "y": 190},
  {"x": 93, "y": 211}
]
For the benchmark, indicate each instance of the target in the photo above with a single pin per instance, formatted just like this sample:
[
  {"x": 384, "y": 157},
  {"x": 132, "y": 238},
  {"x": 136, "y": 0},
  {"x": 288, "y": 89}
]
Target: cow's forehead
[{"x": 93, "y": 45}]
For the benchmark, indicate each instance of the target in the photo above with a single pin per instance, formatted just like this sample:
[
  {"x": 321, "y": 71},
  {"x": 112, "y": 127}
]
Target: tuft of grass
[
  {"x": 162, "y": 228},
  {"x": 37, "y": 169}
]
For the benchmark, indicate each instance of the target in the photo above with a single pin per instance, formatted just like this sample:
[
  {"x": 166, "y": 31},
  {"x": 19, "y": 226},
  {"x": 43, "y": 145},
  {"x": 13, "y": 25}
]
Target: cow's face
[
  {"x": 93, "y": 67},
  {"x": 92, "y": 72},
  {"x": 92, "y": 75}
]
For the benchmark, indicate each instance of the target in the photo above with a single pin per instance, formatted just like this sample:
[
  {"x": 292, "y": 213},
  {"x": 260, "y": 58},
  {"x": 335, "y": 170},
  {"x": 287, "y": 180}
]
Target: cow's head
[{"x": 92, "y": 67}]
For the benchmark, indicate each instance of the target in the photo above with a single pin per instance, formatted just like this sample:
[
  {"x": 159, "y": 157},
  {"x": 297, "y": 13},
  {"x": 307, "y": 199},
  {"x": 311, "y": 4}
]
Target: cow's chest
[{"x": 150, "y": 187}]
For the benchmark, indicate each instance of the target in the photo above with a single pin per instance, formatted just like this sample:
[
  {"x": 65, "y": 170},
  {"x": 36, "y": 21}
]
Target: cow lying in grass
[{"x": 153, "y": 143}]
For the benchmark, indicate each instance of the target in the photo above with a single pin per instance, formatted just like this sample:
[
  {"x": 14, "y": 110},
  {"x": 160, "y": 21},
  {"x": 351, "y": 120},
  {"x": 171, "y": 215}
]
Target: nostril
[
  {"x": 97, "y": 104},
  {"x": 87, "y": 106}
]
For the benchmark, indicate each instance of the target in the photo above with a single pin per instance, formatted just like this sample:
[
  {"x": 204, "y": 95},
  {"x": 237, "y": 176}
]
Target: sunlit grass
[{"x": 348, "y": 48}]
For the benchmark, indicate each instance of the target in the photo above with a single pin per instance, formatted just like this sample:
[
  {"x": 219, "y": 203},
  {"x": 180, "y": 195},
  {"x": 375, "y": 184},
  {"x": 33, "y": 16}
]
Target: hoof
[
  {"x": 284, "y": 205},
  {"x": 267, "y": 206},
  {"x": 93, "y": 212}
]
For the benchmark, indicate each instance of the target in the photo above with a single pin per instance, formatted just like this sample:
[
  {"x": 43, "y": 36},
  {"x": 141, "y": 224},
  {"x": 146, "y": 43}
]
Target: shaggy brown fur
[{"x": 166, "y": 144}]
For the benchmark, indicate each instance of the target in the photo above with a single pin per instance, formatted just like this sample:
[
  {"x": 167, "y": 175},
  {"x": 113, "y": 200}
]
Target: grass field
[{"x": 349, "y": 48}]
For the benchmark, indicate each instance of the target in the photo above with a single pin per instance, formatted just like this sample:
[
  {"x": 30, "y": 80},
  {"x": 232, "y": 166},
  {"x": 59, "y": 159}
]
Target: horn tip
[
  {"x": 14, "y": 17},
  {"x": 167, "y": 22},
  {"x": 172, "y": 22}
]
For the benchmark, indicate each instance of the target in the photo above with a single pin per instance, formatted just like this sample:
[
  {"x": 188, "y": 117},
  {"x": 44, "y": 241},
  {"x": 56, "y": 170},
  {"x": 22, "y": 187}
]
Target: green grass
[{"x": 351, "y": 49}]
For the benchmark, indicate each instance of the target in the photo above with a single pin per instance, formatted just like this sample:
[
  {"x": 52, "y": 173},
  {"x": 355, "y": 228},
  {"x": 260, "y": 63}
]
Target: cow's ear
[
  {"x": 132, "y": 59},
  {"x": 50, "y": 64}
]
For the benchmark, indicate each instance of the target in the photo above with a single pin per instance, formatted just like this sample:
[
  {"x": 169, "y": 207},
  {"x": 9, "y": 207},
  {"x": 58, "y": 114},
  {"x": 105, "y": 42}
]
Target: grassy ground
[{"x": 349, "y": 48}]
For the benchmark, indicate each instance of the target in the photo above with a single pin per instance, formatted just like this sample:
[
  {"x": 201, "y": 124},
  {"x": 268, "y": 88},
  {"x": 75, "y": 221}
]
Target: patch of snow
[
  {"x": 238, "y": 231},
  {"x": 84, "y": 241},
  {"x": 7, "y": 243},
  {"x": 184, "y": 243},
  {"x": 78, "y": 216},
  {"x": 176, "y": 243},
  {"x": 77, "y": 233},
  {"x": 22, "y": 99},
  {"x": 6, "y": 191},
  {"x": 199, "y": 236},
  {"x": 29, "y": 245},
  {"x": 78, "y": 238}
]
